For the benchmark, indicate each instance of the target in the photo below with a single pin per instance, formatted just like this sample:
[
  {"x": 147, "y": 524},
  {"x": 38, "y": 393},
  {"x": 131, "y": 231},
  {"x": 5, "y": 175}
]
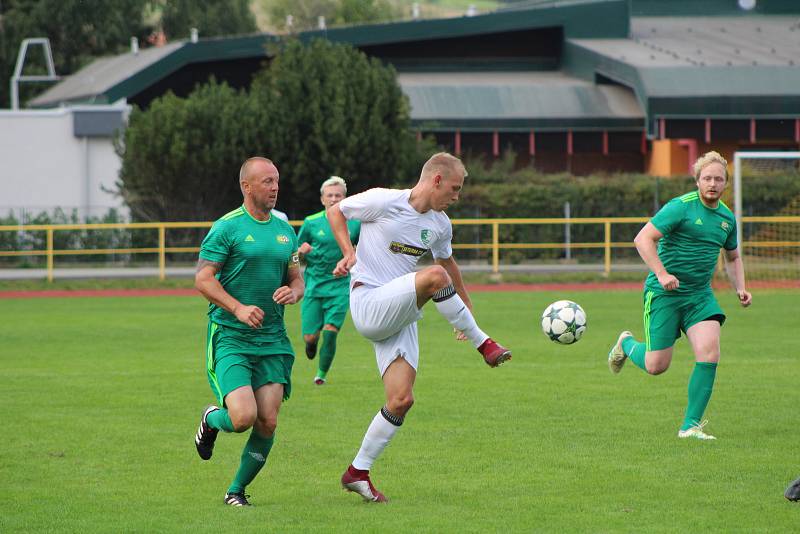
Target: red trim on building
[
  {"x": 797, "y": 130},
  {"x": 662, "y": 129},
  {"x": 605, "y": 142},
  {"x": 532, "y": 142},
  {"x": 752, "y": 130},
  {"x": 457, "y": 143},
  {"x": 644, "y": 143},
  {"x": 708, "y": 130},
  {"x": 569, "y": 142},
  {"x": 495, "y": 143}
]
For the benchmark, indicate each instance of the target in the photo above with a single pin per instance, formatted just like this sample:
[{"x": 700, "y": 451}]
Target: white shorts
[{"x": 387, "y": 316}]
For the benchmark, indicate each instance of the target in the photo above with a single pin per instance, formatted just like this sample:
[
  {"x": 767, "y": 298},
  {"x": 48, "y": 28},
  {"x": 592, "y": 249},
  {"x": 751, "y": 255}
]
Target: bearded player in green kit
[
  {"x": 248, "y": 270},
  {"x": 327, "y": 297},
  {"x": 680, "y": 245}
]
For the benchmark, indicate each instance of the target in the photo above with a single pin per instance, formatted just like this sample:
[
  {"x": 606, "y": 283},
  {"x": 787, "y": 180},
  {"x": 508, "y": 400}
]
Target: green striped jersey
[
  {"x": 255, "y": 257},
  {"x": 693, "y": 236}
]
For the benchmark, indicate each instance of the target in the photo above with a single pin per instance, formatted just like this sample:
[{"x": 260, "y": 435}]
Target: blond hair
[
  {"x": 333, "y": 180},
  {"x": 707, "y": 159},
  {"x": 443, "y": 164}
]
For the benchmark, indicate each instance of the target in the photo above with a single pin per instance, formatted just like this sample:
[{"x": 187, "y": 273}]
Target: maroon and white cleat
[
  {"x": 493, "y": 353},
  {"x": 357, "y": 481}
]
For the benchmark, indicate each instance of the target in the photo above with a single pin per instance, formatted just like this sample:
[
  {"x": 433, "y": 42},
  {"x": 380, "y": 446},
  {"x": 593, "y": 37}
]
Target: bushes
[{"x": 36, "y": 240}]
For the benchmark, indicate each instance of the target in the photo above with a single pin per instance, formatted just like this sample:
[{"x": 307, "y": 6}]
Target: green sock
[
  {"x": 635, "y": 351},
  {"x": 220, "y": 420},
  {"x": 326, "y": 352},
  {"x": 254, "y": 456},
  {"x": 700, "y": 385}
]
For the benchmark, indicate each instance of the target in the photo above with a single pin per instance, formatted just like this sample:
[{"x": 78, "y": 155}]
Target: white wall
[{"x": 43, "y": 166}]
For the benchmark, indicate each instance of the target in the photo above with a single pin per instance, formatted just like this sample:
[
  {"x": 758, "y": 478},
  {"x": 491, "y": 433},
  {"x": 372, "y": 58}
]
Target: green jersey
[
  {"x": 693, "y": 236},
  {"x": 256, "y": 257},
  {"x": 325, "y": 254}
]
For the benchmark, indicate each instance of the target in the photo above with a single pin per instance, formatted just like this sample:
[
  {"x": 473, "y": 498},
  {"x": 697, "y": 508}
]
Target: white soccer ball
[{"x": 564, "y": 322}]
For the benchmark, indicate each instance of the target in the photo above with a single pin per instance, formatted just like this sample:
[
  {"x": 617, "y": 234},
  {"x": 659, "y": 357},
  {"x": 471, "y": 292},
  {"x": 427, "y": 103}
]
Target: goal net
[{"x": 766, "y": 193}]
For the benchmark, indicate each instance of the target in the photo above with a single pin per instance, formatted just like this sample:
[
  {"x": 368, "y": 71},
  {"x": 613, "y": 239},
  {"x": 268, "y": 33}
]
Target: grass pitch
[{"x": 102, "y": 399}]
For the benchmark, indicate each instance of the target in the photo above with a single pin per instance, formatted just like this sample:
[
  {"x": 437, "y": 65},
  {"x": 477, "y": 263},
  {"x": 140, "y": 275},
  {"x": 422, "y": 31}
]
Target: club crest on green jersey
[
  {"x": 282, "y": 238},
  {"x": 724, "y": 225}
]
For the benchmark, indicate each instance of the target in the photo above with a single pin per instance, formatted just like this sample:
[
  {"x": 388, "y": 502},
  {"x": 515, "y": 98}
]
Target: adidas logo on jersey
[
  {"x": 249, "y": 239},
  {"x": 321, "y": 233},
  {"x": 699, "y": 221}
]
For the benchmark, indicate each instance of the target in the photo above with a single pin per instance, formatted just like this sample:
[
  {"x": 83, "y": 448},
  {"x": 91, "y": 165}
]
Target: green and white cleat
[
  {"x": 696, "y": 432},
  {"x": 616, "y": 356}
]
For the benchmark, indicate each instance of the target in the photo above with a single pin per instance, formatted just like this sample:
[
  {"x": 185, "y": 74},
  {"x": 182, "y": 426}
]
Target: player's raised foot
[
  {"x": 793, "y": 491},
  {"x": 236, "y": 499},
  {"x": 206, "y": 436},
  {"x": 696, "y": 432},
  {"x": 357, "y": 481},
  {"x": 493, "y": 353},
  {"x": 319, "y": 381},
  {"x": 617, "y": 356},
  {"x": 311, "y": 350}
]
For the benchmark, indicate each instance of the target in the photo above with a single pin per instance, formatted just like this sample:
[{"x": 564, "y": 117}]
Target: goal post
[{"x": 773, "y": 242}]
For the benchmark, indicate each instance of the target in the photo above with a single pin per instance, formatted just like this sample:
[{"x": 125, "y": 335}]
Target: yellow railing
[{"x": 495, "y": 245}]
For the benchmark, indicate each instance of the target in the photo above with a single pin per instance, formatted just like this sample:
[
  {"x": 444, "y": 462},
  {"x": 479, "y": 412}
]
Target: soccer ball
[{"x": 564, "y": 322}]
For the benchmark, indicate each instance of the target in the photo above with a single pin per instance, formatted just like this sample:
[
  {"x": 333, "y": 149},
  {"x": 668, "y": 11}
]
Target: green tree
[
  {"x": 210, "y": 17},
  {"x": 329, "y": 109},
  {"x": 78, "y": 31},
  {"x": 181, "y": 157}
]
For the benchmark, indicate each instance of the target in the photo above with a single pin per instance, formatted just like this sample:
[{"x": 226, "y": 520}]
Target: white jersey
[{"x": 394, "y": 235}]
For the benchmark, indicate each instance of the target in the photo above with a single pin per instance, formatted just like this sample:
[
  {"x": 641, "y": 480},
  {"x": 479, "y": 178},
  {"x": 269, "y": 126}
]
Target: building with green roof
[{"x": 576, "y": 85}]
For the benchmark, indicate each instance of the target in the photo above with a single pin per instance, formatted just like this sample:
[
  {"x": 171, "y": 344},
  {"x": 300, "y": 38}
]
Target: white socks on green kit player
[
  {"x": 380, "y": 432},
  {"x": 456, "y": 312}
]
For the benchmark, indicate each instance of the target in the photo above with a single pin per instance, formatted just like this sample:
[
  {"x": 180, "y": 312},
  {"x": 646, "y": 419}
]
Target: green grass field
[{"x": 103, "y": 396}]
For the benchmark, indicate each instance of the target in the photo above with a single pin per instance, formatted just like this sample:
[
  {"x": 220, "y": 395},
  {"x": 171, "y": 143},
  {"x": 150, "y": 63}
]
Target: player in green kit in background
[
  {"x": 680, "y": 245},
  {"x": 327, "y": 297},
  {"x": 248, "y": 270}
]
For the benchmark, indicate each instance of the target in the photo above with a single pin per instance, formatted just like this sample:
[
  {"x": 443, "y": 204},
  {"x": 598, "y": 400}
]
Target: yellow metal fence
[{"x": 495, "y": 245}]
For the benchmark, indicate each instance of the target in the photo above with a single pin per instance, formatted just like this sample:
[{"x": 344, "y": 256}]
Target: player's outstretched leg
[
  {"x": 793, "y": 491},
  {"x": 617, "y": 356},
  {"x": 206, "y": 435},
  {"x": 435, "y": 283}
]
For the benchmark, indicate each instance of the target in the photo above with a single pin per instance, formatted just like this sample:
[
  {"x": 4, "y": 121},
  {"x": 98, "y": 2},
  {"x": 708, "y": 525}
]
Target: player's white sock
[
  {"x": 380, "y": 432},
  {"x": 456, "y": 312}
]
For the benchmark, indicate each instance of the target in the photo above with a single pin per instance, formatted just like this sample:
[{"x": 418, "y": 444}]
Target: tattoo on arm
[{"x": 201, "y": 264}]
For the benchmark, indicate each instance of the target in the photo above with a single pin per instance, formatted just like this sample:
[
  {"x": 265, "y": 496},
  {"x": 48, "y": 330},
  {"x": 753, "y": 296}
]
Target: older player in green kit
[
  {"x": 327, "y": 297},
  {"x": 680, "y": 245},
  {"x": 248, "y": 270}
]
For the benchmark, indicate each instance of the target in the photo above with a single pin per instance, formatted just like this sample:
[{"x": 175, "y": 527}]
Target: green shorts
[
  {"x": 233, "y": 362},
  {"x": 667, "y": 314},
  {"x": 319, "y": 311}
]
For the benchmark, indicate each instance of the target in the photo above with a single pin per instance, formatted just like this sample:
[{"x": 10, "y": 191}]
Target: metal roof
[
  {"x": 701, "y": 66},
  {"x": 92, "y": 82},
  {"x": 516, "y": 100}
]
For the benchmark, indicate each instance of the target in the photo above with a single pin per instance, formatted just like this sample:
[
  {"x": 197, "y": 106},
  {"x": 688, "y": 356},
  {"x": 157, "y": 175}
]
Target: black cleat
[
  {"x": 793, "y": 491},
  {"x": 236, "y": 499},
  {"x": 311, "y": 350},
  {"x": 206, "y": 436}
]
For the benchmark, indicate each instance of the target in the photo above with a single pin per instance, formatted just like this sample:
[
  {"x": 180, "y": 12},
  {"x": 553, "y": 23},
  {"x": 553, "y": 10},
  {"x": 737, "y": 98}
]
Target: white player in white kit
[{"x": 387, "y": 294}]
